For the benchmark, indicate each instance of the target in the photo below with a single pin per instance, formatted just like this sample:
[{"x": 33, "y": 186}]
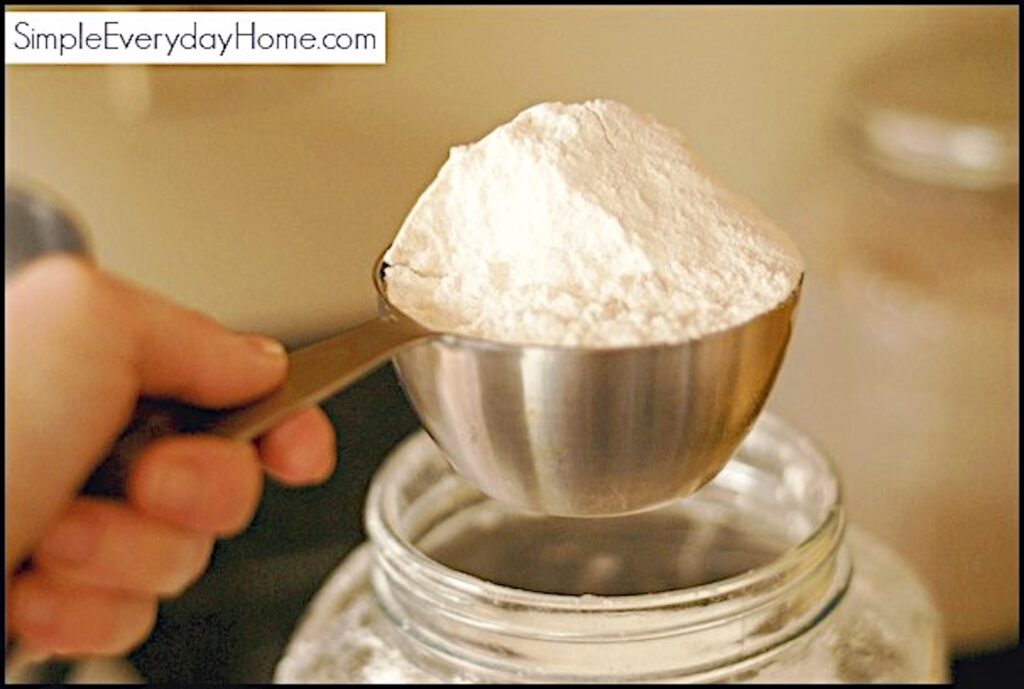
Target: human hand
[{"x": 82, "y": 348}]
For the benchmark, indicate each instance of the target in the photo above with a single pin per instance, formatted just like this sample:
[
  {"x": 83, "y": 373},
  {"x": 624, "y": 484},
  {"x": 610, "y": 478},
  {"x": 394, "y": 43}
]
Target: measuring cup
[{"x": 558, "y": 430}]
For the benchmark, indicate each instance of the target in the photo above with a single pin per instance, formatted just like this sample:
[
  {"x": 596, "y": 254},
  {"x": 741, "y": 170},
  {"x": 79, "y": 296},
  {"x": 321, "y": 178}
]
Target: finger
[
  {"x": 199, "y": 482},
  {"x": 168, "y": 350},
  {"x": 180, "y": 353},
  {"x": 81, "y": 347},
  {"x": 109, "y": 545},
  {"x": 301, "y": 450},
  {"x": 74, "y": 620}
]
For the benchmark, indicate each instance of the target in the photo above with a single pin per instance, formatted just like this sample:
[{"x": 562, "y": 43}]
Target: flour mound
[{"x": 585, "y": 224}]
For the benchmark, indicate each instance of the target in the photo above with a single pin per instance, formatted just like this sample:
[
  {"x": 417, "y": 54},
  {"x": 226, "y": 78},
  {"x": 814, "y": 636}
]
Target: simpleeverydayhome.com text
[{"x": 106, "y": 36}]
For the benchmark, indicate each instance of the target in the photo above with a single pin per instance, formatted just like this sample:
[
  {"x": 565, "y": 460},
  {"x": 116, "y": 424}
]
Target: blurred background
[{"x": 885, "y": 139}]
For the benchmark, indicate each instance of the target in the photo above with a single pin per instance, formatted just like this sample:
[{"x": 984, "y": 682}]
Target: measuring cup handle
[{"x": 315, "y": 372}]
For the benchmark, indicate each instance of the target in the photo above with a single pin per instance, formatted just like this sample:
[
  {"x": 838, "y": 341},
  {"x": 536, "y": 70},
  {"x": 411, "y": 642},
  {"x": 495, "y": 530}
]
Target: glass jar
[
  {"x": 909, "y": 324},
  {"x": 755, "y": 578}
]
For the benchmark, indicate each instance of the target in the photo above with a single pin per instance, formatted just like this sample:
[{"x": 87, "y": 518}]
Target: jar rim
[{"x": 822, "y": 540}]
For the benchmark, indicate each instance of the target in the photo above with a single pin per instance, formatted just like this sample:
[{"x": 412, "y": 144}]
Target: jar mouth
[
  {"x": 811, "y": 481},
  {"x": 779, "y": 492}
]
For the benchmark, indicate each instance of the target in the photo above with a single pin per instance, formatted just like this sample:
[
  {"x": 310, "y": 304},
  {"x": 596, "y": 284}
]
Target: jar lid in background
[{"x": 941, "y": 111}]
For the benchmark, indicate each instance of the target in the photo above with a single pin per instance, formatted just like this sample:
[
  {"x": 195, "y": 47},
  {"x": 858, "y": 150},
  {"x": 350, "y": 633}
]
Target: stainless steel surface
[
  {"x": 579, "y": 432},
  {"x": 319, "y": 370},
  {"x": 563, "y": 431},
  {"x": 34, "y": 225}
]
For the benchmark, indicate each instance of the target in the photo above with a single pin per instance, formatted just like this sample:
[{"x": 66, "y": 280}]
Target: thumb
[
  {"x": 182, "y": 354},
  {"x": 81, "y": 348}
]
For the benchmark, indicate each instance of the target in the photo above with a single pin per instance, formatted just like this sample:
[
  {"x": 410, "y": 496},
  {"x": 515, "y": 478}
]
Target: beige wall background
[{"x": 262, "y": 195}]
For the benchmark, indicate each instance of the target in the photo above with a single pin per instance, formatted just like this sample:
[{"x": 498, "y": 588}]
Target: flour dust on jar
[
  {"x": 909, "y": 342},
  {"x": 755, "y": 578}
]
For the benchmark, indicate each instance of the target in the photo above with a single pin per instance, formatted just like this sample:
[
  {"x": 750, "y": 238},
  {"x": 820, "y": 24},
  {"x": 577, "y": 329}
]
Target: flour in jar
[{"x": 590, "y": 225}]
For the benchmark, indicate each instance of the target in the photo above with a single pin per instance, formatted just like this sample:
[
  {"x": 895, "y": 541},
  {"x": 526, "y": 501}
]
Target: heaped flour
[{"x": 585, "y": 224}]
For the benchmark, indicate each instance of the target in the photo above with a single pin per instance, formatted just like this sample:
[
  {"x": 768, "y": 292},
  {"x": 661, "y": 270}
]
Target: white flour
[{"x": 585, "y": 225}]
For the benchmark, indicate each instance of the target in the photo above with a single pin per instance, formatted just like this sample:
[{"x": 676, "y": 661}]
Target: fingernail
[
  {"x": 266, "y": 346},
  {"x": 36, "y": 608},
  {"x": 174, "y": 486},
  {"x": 72, "y": 540}
]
